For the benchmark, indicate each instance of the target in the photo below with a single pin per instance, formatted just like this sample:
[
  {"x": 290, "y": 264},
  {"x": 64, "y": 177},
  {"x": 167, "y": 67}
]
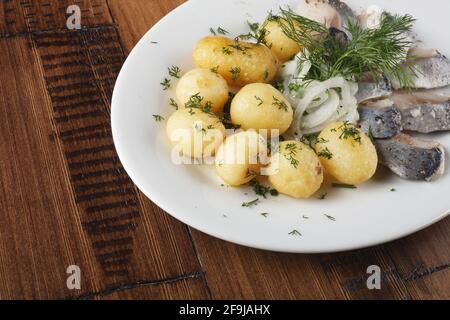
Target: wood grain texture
[
  {"x": 65, "y": 198},
  {"x": 238, "y": 272}
]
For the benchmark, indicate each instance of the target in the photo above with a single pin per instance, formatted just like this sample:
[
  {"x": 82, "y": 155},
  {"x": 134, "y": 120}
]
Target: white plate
[{"x": 370, "y": 215}]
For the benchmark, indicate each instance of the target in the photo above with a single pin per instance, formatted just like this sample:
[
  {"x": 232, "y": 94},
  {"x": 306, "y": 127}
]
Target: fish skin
[
  {"x": 380, "y": 122},
  {"x": 369, "y": 90},
  {"x": 426, "y": 118},
  {"x": 411, "y": 158},
  {"x": 433, "y": 72},
  {"x": 343, "y": 9}
]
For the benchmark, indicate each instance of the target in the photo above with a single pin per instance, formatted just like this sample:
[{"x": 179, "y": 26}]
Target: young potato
[
  {"x": 209, "y": 85},
  {"x": 295, "y": 170},
  {"x": 239, "y": 62},
  {"x": 261, "y": 106},
  {"x": 347, "y": 153},
  {"x": 195, "y": 133},
  {"x": 237, "y": 158},
  {"x": 280, "y": 44}
]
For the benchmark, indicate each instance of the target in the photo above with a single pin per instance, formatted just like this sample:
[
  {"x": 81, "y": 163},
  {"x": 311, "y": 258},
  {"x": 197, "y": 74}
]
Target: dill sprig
[{"x": 375, "y": 51}]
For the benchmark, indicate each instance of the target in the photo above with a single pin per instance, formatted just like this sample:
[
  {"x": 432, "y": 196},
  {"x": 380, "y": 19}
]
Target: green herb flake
[
  {"x": 325, "y": 153},
  {"x": 235, "y": 73},
  {"x": 260, "y": 101},
  {"x": 158, "y": 118},
  {"x": 323, "y": 196},
  {"x": 295, "y": 233},
  {"x": 280, "y": 104},
  {"x": 250, "y": 203},
  {"x": 265, "y": 214},
  {"x": 173, "y": 103},
  {"x": 165, "y": 84},
  {"x": 330, "y": 217},
  {"x": 291, "y": 149},
  {"x": 174, "y": 71}
]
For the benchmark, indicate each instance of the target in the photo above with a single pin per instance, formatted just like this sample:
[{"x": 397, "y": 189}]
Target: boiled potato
[
  {"x": 203, "y": 82},
  {"x": 195, "y": 133},
  {"x": 239, "y": 62},
  {"x": 280, "y": 44},
  {"x": 295, "y": 170},
  {"x": 261, "y": 106},
  {"x": 237, "y": 160},
  {"x": 347, "y": 153}
]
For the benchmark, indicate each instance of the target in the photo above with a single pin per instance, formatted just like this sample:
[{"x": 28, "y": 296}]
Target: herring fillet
[
  {"x": 380, "y": 119},
  {"x": 368, "y": 90},
  {"x": 430, "y": 72},
  {"x": 412, "y": 158}
]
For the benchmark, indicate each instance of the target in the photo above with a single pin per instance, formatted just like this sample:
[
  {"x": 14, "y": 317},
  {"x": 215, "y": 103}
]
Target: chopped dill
[
  {"x": 323, "y": 197},
  {"x": 325, "y": 153},
  {"x": 280, "y": 104},
  {"x": 265, "y": 214},
  {"x": 274, "y": 193},
  {"x": 279, "y": 85},
  {"x": 235, "y": 73},
  {"x": 250, "y": 203},
  {"x": 158, "y": 118},
  {"x": 349, "y": 131},
  {"x": 195, "y": 101},
  {"x": 221, "y": 30},
  {"x": 165, "y": 84},
  {"x": 260, "y": 101},
  {"x": 393, "y": 190},
  {"x": 173, "y": 103},
  {"x": 295, "y": 233},
  {"x": 330, "y": 217},
  {"x": 174, "y": 71},
  {"x": 215, "y": 69},
  {"x": 227, "y": 51},
  {"x": 291, "y": 149}
]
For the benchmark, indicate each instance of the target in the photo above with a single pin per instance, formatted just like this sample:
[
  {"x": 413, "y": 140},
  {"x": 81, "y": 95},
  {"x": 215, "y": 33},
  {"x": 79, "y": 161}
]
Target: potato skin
[
  {"x": 280, "y": 44},
  {"x": 209, "y": 85},
  {"x": 255, "y": 62},
  {"x": 237, "y": 157},
  {"x": 299, "y": 174},
  {"x": 185, "y": 126},
  {"x": 261, "y": 106},
  {"x": 349, "y": 158}
]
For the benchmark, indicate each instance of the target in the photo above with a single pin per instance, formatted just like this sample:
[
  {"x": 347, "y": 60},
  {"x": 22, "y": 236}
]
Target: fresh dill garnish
[
  {"x": 154, "y": 42},
  {"x": 260, "y": 101},
  {"x": 174, "y": 71},
  {"x": 349, "y": 131},
  {"x": 309, "y": 139},
  {"x": 280, "y": 104},
  {"x": 221, "y": 30},
  {"x": 235, "y": 73},
  {"x": 165, "y": 83},
  {"x": 376, "y": 51},
  {"x": 173, "y": 103},
  {"x": 158, "y": 118},
  {"x": 262, "y": 190},
  {"x": 215, "y": 69},
  {"x": 207, "y": 107},
  {"x": 393, "y": 190},
  {"x": 295, "y": 233},
  {"x": 325, "y": 153},
  {"x": 227, "y": 51},
  {"x": 257, "y": 33},
  {"x": 265, "y": 214},
  {"x": 213, "y": 32},
  {"x": 250, "y": 203},
  {"x": 322, "y": 140},
  {"x": 330, "y": 217},
  {"x": 291, "y": 149},
  {"x": 294, "y": 87},
  {"x": 194, "y": 101},
  {"x": 305, "y": 217},
  {"x": 344, "y": 186},
  {"x": 323, "y": 196},
  {"x": 239, "y": 47}
]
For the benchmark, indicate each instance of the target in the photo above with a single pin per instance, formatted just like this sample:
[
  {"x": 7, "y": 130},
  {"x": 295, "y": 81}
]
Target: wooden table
[{"x": 66, "y": 200}]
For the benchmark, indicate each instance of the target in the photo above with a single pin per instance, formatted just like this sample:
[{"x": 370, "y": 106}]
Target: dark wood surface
[{"x": 66, "y": 200}]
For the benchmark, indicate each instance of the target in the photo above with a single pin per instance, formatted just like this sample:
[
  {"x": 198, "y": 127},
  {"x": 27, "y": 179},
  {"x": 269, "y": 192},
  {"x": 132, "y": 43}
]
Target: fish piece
[
  {"x": 424, "y": 111},
  {"x": 331, "y": 13},
  {"x": 370, "y": 89},
  {"x": 411, "y": 158},
  {"x": 370, "y": 18},
  {"x": 431, "y": 72},
  {"x": 380, "y": 119}
]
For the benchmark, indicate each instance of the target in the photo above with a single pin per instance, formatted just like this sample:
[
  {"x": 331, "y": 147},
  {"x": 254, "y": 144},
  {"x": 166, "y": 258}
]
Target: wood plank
[
  {"x": 21, "y": 16},
  {"x": 66, "y": 198},
  {"x": 131, "y": 21}
]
